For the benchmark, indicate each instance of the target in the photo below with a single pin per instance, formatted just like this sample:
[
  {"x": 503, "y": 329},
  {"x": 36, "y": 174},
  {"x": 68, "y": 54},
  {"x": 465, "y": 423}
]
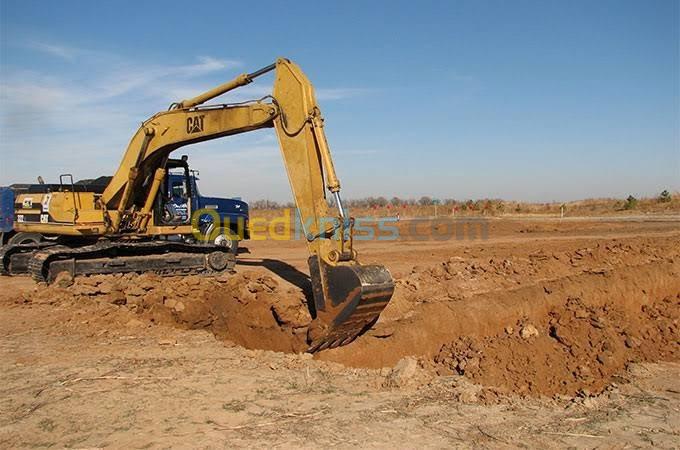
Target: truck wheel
[
  {"x": 25, "y": 238},
  {"x": 224, "y": 237}
]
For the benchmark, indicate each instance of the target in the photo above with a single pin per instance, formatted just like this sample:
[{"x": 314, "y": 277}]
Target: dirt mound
[
  {"x": 579, "y": 349},
  {"x": 544, "y": 323},
  {"x": 461, "y": 277},
  {"x": 248, "y": 308}
]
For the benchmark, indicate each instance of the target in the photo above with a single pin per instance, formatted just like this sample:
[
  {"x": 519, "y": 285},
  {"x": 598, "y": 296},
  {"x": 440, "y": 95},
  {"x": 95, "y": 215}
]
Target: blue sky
[{"x": 530, "y": 100}]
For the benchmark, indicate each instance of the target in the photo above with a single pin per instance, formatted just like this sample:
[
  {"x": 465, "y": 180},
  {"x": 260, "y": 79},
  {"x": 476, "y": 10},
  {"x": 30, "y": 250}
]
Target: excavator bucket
[{"x": 348, "y": 299}]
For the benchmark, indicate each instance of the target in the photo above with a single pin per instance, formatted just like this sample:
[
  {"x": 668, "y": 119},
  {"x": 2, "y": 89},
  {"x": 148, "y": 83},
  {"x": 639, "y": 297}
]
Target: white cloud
[
  {"x": 100, "y": 97},
  {"x": 80, "y": 120},
  {"x": 60, "y": 51},
  {"x": 152, "y": 80},
  {"x": 206, "y": 64}
]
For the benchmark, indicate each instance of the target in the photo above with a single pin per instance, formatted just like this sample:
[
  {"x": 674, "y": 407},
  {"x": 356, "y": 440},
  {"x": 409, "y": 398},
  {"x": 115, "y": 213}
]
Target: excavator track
[
  {"x": 164, "y": 258},
  {"x": 14, "y": 257}
]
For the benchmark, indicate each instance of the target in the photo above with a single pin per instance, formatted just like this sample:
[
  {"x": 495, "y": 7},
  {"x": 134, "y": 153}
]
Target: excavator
[{"x": 118, "y": 227}]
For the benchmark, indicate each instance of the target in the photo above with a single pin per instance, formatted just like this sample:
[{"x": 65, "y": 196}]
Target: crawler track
[
  {"x": 107, "y": 257},
  {"x": 14, "y": 257}
]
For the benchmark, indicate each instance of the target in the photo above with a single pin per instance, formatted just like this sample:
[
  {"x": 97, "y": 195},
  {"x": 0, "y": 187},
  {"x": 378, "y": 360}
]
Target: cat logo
[{"x": 195, "y": 124}]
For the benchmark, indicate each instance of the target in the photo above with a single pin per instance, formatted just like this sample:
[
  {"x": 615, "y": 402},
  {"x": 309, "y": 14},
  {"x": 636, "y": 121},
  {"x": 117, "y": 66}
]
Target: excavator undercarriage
[
  {"x": 166, "y": 258},
  {"x": 117, "y": 229}
]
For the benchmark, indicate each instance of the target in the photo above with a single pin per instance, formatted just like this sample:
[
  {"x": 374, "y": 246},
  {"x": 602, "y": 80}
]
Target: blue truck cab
[
  {"x": 217, "y": 218},
  {"x": 222, "y": 221}
]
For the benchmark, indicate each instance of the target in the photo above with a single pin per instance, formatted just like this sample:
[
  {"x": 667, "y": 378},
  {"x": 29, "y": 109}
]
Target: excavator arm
[
  {"x": 348, "y": 296},
  {"x": 128, "y": 198}
]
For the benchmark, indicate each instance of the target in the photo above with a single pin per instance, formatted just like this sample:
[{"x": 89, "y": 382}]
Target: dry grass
[{"x": 496, "y": 207}]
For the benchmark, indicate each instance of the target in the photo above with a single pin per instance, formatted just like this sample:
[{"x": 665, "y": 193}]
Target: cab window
[{"x": 178, "y": 189}]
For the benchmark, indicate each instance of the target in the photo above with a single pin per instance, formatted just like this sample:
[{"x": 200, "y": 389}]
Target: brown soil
[
  {"x": 248, "y": 308},
  {"x": 591, "y": 310},
  {"x": 567, "y": 312}
]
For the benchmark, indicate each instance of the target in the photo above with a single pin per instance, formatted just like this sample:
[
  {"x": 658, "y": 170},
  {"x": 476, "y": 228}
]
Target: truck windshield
[{"x": 178, "y": 189}]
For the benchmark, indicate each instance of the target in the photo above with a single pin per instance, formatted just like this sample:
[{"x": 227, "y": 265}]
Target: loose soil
[{"x": 539, "y": 314}]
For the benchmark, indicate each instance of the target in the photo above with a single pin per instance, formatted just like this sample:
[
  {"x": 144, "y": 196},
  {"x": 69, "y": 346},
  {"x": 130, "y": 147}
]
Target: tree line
[
  {"x": 487, "y": 204},
  {"x": 382, "y": 202}
]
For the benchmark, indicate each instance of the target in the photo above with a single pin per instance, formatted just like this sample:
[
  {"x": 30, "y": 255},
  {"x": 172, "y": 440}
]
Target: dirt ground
[{"x": 506, "y": 333}]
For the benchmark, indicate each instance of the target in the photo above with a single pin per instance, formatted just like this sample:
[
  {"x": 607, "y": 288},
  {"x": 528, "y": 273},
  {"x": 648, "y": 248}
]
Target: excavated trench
[
  {"x": 556, "y": 337},
  {"x": 538, "y": 324}
]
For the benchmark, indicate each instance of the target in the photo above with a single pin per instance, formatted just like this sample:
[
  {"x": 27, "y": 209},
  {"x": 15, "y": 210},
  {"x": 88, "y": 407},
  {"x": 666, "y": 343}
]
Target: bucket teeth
[{"x": 348, "y": 300}]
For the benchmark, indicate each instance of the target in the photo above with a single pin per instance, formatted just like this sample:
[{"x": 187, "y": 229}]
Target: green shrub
[
  {"x": 631, "y": 203},
  {"x": 665, "y": 197}
]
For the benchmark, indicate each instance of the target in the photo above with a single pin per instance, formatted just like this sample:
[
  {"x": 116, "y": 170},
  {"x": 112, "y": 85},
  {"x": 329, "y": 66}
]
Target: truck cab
[{"x": 223, "y": 221}]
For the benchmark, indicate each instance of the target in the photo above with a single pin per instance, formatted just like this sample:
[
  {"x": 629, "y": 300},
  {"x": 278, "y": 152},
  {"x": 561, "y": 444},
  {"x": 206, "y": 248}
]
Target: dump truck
[{"x": 120, "y": 226}]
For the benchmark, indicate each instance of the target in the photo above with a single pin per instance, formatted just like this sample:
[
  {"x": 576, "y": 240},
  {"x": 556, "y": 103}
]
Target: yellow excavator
[{"x": 119, "y": 228}]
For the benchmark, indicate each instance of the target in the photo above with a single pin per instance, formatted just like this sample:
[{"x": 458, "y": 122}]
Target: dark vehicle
[
  {"x": 6, "y": 212},
  {"x": 222, "y": 221}
]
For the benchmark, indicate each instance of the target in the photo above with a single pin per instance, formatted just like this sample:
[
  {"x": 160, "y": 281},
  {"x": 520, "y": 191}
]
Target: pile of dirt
[
  {"x": 544, "y": 324},
  {"x": 578, "y": 350},
  {"x": 248, "y": 308},
  {"x": 460, "y": 278}
]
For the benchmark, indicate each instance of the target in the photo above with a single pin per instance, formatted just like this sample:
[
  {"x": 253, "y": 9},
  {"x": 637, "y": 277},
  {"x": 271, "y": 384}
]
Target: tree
[
  {"x": 631, "y": 203},
  {"x": 665, "y": 197},
  {"x": 425, "y": 201},
  {"x": 264, "y": 204},
  {"x": 396, "y": 201}
]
